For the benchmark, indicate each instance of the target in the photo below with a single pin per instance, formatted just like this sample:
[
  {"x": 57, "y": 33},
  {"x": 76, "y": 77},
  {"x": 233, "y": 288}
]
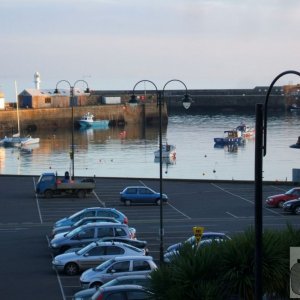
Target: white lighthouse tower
[{"x": 37, "y": 80}]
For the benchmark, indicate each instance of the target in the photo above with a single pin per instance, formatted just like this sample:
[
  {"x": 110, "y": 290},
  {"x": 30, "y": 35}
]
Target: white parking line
[
  {"x": 102, "y": 203},
  {"x": 252, "y": 202},
  {"x": 232, "y": 215},
  {"x": 37, "y": 202}
]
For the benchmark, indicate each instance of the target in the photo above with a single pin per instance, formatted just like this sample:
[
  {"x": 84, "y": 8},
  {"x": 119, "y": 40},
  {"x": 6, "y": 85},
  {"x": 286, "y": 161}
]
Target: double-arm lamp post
[
  {"x": 56, "y": 91},
  {"x": 186, "y": 102},
  {"x": 260, "y": 151}
]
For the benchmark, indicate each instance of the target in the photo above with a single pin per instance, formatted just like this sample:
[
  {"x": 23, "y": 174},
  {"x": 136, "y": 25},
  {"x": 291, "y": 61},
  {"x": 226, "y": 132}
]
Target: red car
[{"x": 278, "y": 200}]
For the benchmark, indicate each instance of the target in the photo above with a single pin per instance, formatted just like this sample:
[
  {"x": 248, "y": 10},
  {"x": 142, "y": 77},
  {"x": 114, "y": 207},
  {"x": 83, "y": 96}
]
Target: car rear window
[
  {"x": 114, "y": 250},
  {"x": 131, "y": 191},
  {"x": 141, "y": 265},
  {"x": 120, "y": 232}
]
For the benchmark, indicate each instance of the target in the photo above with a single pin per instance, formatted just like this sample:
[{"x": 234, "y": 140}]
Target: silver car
[
  {"x": 84, "y": 235},
  {"x": 92, "y": 255},
  {"x": 115, "y": 267}
]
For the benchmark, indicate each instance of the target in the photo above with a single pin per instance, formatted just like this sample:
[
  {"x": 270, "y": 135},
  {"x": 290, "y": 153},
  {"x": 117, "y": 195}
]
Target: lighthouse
[{"x": 37, "y": 80}]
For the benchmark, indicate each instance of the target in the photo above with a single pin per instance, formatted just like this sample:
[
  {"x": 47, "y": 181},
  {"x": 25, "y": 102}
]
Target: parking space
[{"x": 220, "y": 206}]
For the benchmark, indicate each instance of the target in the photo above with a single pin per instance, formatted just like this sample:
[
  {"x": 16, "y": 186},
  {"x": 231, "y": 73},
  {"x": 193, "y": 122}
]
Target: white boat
[
  {"x": 168, "y": 151},
  {"x": 246, "y": 131},
  {"x": 87, "y": 120},
  {"x": 16, "y": 140}
]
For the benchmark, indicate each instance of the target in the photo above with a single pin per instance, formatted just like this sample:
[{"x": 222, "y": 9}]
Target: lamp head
[
  {"x": 133, "y": 100},
  {"x": 186, "y": 101}
]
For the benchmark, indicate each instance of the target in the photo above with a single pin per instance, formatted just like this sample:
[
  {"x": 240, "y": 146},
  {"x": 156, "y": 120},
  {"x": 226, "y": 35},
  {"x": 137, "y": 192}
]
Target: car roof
[
  {"x": 122, "y": 287},
  {"x": 103, "y": 224},
  {"x": 133, "y": 257},
  {"x": 137, "y": 186},
  {"x": 106, "y": 243}
]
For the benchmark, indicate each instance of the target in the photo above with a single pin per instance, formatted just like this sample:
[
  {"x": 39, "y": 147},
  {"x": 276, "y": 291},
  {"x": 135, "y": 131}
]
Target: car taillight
[
  {"x": 100, "y": 297},
  {"x": 126, "y": 220}
]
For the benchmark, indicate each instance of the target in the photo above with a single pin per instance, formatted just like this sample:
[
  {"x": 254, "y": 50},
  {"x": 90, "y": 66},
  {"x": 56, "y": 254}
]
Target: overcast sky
[{"x": 112, "y": 44}]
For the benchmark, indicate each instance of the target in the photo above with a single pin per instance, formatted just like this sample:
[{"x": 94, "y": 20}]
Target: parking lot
[{"x": 26, "y": 221}]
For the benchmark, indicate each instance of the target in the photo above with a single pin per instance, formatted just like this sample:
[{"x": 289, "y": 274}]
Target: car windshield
[
  {"x": 290, "y": 192},
  {"x": 104, "y": 265},
  {"x": 73, "y": 232},
  {"x": 85, "y": 249},
  {"x": 74, "y": 216}
]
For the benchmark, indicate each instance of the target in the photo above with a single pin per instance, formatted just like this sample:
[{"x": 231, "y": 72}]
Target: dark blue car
[{"x": 142, "y": 195}]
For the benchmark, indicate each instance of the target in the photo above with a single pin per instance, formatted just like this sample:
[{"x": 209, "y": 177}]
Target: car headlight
[
  {"x": 53, "y": 245},
  {"x": 57, "y": 262},
  {"x": 287, "y": 205}
]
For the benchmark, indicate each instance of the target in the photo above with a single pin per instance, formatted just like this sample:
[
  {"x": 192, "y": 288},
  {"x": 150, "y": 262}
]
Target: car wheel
[
  {"x": 158, "y": 202},
  {"x": 96, "y": 284},
  {"x": 71, "y": 269},
  {"x": 280, "y": 204},
  {"x": 297, "y": 210},
  {"x": 48, "y": 194}
]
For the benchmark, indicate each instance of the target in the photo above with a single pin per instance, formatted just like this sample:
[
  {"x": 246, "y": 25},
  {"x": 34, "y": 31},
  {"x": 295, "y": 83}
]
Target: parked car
[
  {"x": 168, "y": 256},
  {"x": 142, "y": 280},
  {"x": 141, "y": 194},
  {"x": 134, "y": 242},
  {"x": 81, "y": 222},
  {"x": 278, "y": 200},
  {"x": 214, "y": 236},
  {"x": 92, "y": 212},
  {"x": 85, "y": 234},
  {"x": 92, "y": 255},
  {"x": 292, "y": 206},
  {"x": 115, "y": 267},
  {"x": 123, "y": 292}
]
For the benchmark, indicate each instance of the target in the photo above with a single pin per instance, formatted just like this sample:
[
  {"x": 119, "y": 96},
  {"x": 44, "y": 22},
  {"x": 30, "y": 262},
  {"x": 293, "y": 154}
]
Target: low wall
[{"x": 44, "y": 118}]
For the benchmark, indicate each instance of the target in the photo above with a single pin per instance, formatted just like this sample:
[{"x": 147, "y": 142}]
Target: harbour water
[{"x": 128, "y": 151}]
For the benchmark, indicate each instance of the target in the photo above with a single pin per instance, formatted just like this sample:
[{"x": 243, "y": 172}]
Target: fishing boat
[
  {"x": 168, "y": 151},
  {"x": 297, "y": 145},
  {"x": 246, "y": 131},
  {"x": 230, "y": 137},
  {"x": 87, "y": 120},
  {"x": 17, "y": 140}
]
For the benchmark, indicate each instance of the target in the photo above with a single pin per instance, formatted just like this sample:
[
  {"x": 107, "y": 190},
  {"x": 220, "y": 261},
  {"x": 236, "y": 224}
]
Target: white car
[
  {"x": 115, "y": 267},
  {"x": 92, "y": 255}
]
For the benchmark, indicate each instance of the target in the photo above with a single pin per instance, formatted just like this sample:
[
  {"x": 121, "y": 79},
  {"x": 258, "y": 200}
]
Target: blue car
[
  {"x": 92, "y": 212},
  {"x": 142, "y": 195}
]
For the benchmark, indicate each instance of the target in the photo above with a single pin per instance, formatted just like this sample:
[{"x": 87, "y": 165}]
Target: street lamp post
[
  {"x": 260, "y": 151},
  {"x": 56, "y": 91},
  {"x": 160, "y": 101}
]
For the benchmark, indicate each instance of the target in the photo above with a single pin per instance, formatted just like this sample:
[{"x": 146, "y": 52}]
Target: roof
[{"x": 50, "y": 92}]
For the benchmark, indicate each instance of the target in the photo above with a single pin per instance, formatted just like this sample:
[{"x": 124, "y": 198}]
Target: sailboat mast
[{"x": 16, "y": 90}]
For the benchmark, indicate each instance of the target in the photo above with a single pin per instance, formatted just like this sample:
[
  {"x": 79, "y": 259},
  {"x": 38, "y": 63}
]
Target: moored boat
[
  {"x": 168, "y": 151},
  {"x": 231, "y": 137},
  {"x": 87, "y": 120},
  {"x": 246, "y": 131}
]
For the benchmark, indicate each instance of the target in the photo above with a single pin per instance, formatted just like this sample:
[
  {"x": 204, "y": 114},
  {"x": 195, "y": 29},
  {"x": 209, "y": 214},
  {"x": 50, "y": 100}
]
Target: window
[
  {"x": 137, "y": 295},
  {"x": 90, "y": 213},
  {"x": 117, "y": 296},
  {"x": 122, "y": 266},
  {"x": 120, "y": 232},
  {"x": 145, "y": 191},
  {"x": 114, "y": 250},
  {"x": 131, "y": 191},
  {"x": 140, "y": 265},
  {"x": 86, "y": 234},
  {"x": 105, "y": 232},
  {"x": 48, "y": 100},
  {"x": 97, "y": 251}
]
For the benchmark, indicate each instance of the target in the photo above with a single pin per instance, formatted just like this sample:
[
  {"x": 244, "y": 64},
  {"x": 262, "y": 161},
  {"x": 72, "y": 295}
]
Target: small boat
[
  {"x": 246, "y": 131},
  {"x": 231, "y": 137},
  {"x": 87, "y": 120},
  {"x": 168, "y": 151},
  {"x": 17, "y": 141},
  {"x": 294, "y": 107}
]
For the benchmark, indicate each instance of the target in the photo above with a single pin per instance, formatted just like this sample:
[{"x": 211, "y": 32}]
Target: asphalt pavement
[{"x": 26, "y": 221}]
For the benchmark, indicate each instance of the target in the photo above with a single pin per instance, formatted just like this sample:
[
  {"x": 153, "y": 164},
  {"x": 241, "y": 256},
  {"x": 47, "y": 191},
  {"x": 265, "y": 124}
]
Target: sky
[{"x": 113, "y": 44}]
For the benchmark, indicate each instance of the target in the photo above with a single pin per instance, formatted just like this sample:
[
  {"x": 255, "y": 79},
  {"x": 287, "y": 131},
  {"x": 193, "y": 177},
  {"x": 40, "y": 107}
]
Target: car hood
[
  {"x": 85, "y": 293},
  {"x": 58, "y": 237},
  {"x": 90, "y": 273},
  {"x": 277, "y": 196},
  {"x": 291, "y": 201},
  {"x": 66, "y": 256},
  {"x": 63, "y": 222}
]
